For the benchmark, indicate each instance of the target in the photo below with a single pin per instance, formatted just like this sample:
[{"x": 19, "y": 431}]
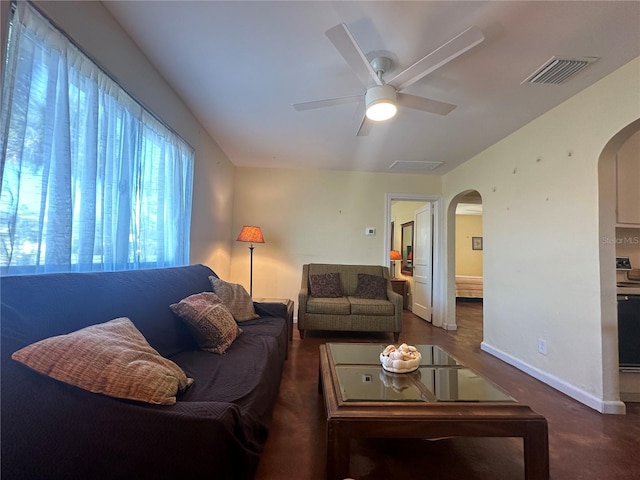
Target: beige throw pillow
[
  {"x": 210, "y": 321},
  {"x": 235, "y": 297},
  {"x": 111, "y": 358}
]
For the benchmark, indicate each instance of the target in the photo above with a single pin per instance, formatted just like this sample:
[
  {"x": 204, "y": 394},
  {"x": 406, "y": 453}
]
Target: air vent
[
  {"x": 414, "y": 166},
  {"x": 558, "y": 70}
]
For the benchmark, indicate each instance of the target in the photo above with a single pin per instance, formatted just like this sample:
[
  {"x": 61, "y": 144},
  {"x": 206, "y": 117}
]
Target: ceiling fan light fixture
[{"x": 381, "y": 103}]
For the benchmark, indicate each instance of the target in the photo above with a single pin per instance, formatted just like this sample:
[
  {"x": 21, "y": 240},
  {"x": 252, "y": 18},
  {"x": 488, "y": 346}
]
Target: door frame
[{"x": 438, "y": 300}]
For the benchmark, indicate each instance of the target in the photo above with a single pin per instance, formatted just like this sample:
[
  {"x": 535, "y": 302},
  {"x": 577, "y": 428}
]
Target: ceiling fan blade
[
  {"x": 440, "y": 56},
  {"x": 424, "y": 104},
  {"x": 365, "y": 127},
  {"x": 329, "y": 102},
  {"x": 344, "y": 42}
]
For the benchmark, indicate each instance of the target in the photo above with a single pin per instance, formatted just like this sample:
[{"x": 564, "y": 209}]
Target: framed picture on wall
[{"x": 476, "y": 243}]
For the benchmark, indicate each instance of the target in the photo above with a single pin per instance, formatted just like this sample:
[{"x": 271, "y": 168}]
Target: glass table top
[
  {"x": 440, "y": 377},
  {"x": 369, "y": 354}
]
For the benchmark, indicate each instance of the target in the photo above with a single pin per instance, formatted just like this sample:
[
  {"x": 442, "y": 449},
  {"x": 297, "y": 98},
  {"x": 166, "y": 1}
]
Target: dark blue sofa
[{"x": 217, "y": 428}]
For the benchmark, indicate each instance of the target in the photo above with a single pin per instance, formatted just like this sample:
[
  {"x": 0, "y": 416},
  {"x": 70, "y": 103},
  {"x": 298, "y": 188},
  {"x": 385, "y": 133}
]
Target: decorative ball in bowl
[{"x": 402, "y": 359}]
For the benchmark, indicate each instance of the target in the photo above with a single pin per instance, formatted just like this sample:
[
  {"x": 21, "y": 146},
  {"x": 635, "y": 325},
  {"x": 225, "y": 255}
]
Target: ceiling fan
[{"x": 382, "y": 98}]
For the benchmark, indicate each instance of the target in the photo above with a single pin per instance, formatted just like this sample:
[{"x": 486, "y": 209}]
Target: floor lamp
[{"x": 252, "y": 235}]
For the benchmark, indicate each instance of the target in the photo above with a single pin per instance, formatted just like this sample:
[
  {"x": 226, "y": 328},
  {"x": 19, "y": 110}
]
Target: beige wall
[
  {"x": 311, "y": 216},
  {"x": 92, "y": 27},
  {"x": 539, "y": 189},
  {"x": 468, "y": 261}
]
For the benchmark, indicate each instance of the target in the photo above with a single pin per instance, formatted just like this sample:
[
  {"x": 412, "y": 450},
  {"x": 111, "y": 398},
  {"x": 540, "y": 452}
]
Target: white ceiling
[{"x": 240, "y": 66}]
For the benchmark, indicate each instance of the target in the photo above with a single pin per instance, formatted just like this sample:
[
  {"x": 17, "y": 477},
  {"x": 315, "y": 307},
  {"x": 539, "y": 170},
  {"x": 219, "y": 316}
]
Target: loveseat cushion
[
  {"x": 373, "y": 307},
  {"x": 325, "y": 285},
  {"x": 329, "y": 306},
  {"x": 111, "y": 358},
  {"x": 235, "y": 297},
  {"x": 209, "y": 319}
]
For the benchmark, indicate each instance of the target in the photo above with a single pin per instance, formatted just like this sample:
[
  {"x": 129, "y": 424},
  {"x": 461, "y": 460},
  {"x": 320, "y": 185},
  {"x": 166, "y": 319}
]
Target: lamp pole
[{"x": 251, "y": 270}]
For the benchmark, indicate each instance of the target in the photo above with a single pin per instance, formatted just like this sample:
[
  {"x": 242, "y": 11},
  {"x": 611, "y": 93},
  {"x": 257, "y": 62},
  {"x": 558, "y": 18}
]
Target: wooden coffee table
[{"x": 441, "y": 399}]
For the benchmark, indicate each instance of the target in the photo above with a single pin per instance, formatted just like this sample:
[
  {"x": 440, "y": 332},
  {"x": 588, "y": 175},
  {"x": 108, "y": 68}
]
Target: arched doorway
[
  {"x": 607, "y": 249},
  {"x": 466, "y": 260}
]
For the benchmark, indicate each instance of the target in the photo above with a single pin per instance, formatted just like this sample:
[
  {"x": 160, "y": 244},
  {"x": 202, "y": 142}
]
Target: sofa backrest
[
  {"x": 348, "y": 273},
  {"x": 41, "y": 306}
]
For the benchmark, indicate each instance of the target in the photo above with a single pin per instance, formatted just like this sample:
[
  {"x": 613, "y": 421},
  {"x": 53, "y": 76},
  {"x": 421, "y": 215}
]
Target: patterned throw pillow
[
  {"x": 325, "y": 285},
  {"x": 371, "y": 286},
  {"x": 236, "y": 299},
  {"x": 111, "y": 358},
  {"x": 209, "y": 319}
]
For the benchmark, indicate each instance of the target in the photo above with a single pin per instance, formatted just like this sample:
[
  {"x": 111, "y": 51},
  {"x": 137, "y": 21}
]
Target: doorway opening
[
  {"x": 467, "y": 232},
  {"x": 617, "y": 239},
  {"x": 401, "y": 211}
]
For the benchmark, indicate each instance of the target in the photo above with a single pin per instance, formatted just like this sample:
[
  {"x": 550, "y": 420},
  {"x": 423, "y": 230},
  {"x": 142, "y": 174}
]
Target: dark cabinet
[
  {"x": 401, "y": 287},
  {"x": 629, "y": 330}
]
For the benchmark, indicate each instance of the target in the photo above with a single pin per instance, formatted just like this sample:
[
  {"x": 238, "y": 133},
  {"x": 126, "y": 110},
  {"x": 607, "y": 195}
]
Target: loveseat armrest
[
  {"x": 398, "y": 305},
  {"x": 303, "y": 298}
]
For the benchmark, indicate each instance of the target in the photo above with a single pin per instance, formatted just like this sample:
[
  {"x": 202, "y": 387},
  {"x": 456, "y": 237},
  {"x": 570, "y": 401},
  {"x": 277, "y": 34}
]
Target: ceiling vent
[
  {"x": 414, "y": 166},
  {"x": 558, "y": 70}
]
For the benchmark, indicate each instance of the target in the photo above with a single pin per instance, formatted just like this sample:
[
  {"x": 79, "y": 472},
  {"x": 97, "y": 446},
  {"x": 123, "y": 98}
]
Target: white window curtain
[{"x": 90, "y": 179}]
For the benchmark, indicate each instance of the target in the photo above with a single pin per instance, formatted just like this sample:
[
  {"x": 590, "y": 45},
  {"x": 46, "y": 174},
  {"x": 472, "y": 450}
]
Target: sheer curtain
[{"x": 90, "y": 179}]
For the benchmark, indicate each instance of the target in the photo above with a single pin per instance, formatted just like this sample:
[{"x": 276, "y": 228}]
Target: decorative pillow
[
  {"x": 236, "y": 299},
  {"x": 111, "y": 358},
  {"x": 325, "y": 285},
  {"x": 209, "y": 319},
  {"x": 371, "y": 286}
]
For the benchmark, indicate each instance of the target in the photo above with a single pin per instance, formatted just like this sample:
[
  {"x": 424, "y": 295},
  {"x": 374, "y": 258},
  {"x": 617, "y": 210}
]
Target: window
[{"x": 90, "y": 180}]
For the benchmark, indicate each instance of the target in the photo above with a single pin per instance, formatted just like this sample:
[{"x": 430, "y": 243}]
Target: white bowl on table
[{"x": 404, "y": 359}]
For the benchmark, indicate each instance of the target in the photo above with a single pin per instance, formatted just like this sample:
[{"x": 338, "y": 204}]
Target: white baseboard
[{"x": 586, "y": 398}]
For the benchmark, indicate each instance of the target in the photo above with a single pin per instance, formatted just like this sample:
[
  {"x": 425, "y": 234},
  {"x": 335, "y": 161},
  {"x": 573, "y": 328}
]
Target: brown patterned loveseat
[{"x": 342, "y": 299}]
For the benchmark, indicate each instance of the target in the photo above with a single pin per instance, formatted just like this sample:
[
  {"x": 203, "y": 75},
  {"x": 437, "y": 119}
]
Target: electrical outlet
[{"x": 542, "y": 346}]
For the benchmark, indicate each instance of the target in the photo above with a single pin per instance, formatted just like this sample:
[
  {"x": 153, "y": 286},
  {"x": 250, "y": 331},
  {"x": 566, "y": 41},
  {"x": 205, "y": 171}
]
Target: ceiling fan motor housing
[
  {"x": 381, "y": 65},
  {"x": 381, "y": 102}
]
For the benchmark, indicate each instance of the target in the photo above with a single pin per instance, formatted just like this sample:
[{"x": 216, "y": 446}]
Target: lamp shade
[
  {"x": 395, "y": 255},
  {"x": 250, "y": 234},
  {"x": 381, "y": 102}
]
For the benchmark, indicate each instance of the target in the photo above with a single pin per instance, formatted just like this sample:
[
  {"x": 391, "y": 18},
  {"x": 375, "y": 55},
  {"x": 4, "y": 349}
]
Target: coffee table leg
[
  {"x": 536, "y": 451},
  {"x": 337, "y": 453}
]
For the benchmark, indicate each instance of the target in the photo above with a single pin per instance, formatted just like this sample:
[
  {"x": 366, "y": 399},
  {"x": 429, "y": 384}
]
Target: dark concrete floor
[{"x": 583, "y": 444}]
